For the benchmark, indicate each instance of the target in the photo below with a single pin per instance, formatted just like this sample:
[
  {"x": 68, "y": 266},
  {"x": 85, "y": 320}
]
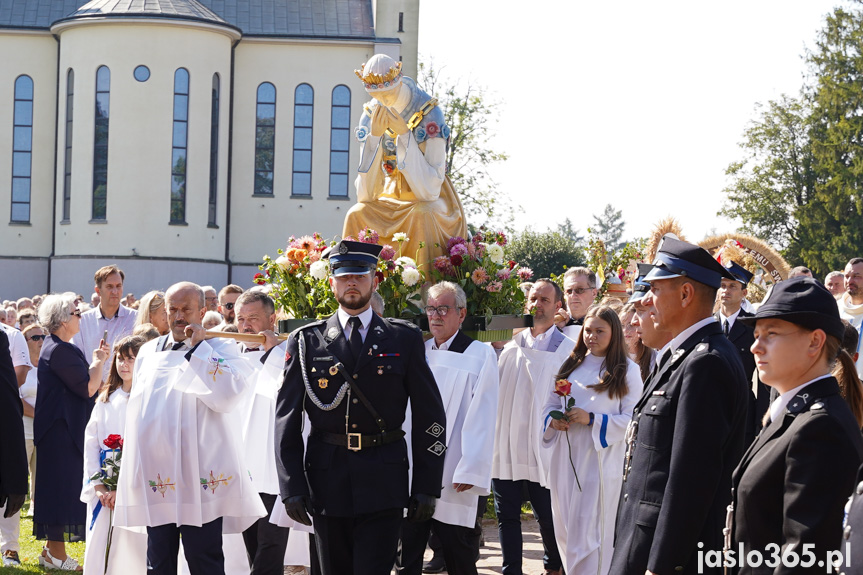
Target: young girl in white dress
[
  {"x": 604, "y": 386},
  {"x": 128, "y": 554}
]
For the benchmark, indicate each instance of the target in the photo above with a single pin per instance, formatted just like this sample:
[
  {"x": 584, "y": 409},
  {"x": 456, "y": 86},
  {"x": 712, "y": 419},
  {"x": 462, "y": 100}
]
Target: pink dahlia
[
  {"x": 479, "y": 276},
  {"x": 388, "y": 252},
  {"x": 524, "y": 274},
  {"x": 368, "y": 236},
  {"x": 494, "y": 287}
]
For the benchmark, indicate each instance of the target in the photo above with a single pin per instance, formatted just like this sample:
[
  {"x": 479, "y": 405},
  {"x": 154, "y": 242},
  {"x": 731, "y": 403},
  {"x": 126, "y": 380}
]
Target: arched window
[
  {"x": 265, "y": 139},
  {"x": 340, "y": 128},
  {"x": 22, "y": 149},
  {"x": 214, "y": 151},
  {"x": 179, "y": 145},
  {"x": 67, "y": 162},
  {"x": 304, "y": 103},
  {"x": 100, "y": 143}
]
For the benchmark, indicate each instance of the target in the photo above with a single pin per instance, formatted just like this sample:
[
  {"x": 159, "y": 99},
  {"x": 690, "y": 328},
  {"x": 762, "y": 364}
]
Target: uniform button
[
  {"x": 847, "y": 533},
  {"x": 625, "y": 496},
  {"x": 355, "y": 400},
  {"x": 652, "y": 408},
  {"x": 353, "y": 426},
  {"x": 356, "y": 376},
  {"x": 860, "y": 488}
]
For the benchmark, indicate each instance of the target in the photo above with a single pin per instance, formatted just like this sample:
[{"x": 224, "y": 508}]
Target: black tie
[
  {"x": 726, "y": 328},
  {"x": 179, "y": 345},
  {"x": 356, "y": 336}
]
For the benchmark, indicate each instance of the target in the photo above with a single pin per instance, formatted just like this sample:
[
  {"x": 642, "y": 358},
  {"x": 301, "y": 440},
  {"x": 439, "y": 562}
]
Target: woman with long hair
[
  {"x": 102, "y": 440},
  {"x": 789, "y": 490},
  {"x": 585, "y": 422},
  {"x": 638, "y": 352},
  {"x": 152, "y": 310}
]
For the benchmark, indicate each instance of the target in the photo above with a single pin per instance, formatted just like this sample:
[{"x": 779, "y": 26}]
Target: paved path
[{"x": 490, "y": 558}]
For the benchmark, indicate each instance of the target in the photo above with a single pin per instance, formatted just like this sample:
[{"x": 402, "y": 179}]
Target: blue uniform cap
[
  {"x": 640, "y": 287},
  {"x": 352, "y": 258},
  {"x": 676, "y": 259},
  {"x": 740, "y": 273}
]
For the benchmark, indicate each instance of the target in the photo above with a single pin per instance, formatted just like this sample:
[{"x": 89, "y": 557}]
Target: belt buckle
[{"x": 355, "y": 441}]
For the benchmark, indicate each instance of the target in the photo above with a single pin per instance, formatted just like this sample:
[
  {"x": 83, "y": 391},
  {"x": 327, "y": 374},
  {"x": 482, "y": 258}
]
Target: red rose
[
  {"x": 562, "y": 387},
  {"x": 259, "y": 279},
  {"x": 380, "y": 276},
  {"x": 456, "y": 260},
  {"x": 113, "y": 441}
]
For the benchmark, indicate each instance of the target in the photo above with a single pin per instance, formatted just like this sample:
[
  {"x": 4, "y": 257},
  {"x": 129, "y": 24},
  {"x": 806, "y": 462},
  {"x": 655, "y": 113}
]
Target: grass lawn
[{"x": 31, "y": 549}]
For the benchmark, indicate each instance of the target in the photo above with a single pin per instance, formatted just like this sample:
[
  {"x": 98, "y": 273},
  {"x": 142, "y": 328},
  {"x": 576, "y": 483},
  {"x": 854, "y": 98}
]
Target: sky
[{"x": 638, "y": 104}]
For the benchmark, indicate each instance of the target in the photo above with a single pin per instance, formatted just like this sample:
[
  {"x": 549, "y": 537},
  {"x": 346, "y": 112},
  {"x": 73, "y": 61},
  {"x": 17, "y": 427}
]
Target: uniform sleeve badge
[{"x": 437, "y": 448}]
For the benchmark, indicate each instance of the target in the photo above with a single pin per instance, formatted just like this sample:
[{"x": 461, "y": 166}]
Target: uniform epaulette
[
  {"x": 404, "y": 322},
  {"x": 307, "y": 326}
]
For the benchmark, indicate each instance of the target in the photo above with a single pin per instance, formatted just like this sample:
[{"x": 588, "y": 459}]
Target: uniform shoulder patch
[
  {"x": 404, "y": 322},
  {"x": 315, "y": 323}
]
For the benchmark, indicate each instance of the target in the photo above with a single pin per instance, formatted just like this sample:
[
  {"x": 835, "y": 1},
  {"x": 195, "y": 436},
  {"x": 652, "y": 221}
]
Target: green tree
[
  {"x": 608, "y": 226},
  {"x": 566, "y": 230},
  {"x": 546, "y": 253},
  {"x": 776, "y": 179},
  {"x": 471, "y": 116}
]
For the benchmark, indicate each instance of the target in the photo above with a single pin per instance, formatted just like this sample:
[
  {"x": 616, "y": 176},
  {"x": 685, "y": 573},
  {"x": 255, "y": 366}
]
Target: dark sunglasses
[
  {"x": 229, "y": 305},
  {"x": 37, "y": 337}
]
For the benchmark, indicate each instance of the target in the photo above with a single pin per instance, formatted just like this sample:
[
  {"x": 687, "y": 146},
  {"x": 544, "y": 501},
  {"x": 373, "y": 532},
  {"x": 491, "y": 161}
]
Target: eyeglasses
[
  {"x": 76, "y": 313},
  {"x": 229, "y": 305},
  {"x": 440, "y": 310},
  {"x": 37, "y": 337},
  {"x": 578, "y": 291}
]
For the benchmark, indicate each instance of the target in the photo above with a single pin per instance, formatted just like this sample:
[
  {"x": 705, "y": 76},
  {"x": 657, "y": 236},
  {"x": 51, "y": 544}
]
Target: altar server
[
  {"x": 466, "y": 374},
  {"x": 184, "y": 470}
]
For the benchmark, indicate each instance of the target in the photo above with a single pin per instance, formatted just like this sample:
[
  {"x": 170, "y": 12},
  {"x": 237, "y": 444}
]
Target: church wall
[
  {"x": 140, "y": 161},
  {"x": 261, "y": 224}
]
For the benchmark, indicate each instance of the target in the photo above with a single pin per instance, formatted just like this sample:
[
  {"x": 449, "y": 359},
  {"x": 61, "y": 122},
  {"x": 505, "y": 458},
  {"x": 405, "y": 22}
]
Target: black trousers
[
  {"x": 460, "y": 546},
  {"x": 363, "y": 545},
  {"x": 201, "y": 545},
  {"x": 266, "y": 542}
]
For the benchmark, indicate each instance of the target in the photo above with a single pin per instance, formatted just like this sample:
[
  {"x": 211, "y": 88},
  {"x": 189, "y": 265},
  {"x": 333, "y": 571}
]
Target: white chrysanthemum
[
  {"x": 283, "y": 261},
  {"x": 400, "y": 237},
  {"x": 410, "y": 276},
  {"x": 495, "y": 253},
  {"x": 318, "y": 270},
  {"x": 406, "y": 262}
]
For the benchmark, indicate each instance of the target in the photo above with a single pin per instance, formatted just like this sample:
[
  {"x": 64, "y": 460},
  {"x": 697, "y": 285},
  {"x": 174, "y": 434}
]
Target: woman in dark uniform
[
  {"x": 63, "y": 404},
  {"x": 791, "y": 486}
]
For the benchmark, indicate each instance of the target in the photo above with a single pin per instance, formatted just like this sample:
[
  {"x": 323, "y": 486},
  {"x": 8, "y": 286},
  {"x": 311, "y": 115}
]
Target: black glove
[
  {"x": 13, "y": 504},
  {"x": 297, "y": 507},
  {"x": 421, "y": 507}
]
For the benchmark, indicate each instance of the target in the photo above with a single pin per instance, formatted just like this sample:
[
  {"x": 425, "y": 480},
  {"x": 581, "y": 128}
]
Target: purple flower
[
  {"x": 458, "y": 250},
  {"x": 503, "y": 273},
  {"x": 453, "y": 241},
  {"x": 388, "y": 252},
  {"x": 368, "y": 236}
]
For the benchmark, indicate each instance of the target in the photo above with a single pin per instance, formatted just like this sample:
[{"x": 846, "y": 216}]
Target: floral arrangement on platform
[
  {"x": 616, "y": 267},
  {"x": 297, "y": 279},
  {"x": 400, "y": 278},
  {"x": 481, "y": 268}
]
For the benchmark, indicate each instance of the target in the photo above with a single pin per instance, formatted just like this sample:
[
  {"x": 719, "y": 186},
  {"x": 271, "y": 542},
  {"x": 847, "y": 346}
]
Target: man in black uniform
[
  {"x": 686, "y": 435},
  {"x": 731, "y": 296},
  {"x": 353, "y": 374}
]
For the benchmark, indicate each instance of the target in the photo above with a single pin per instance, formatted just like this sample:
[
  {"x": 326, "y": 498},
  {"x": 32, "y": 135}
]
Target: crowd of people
[{"x": 683, "y": 430}]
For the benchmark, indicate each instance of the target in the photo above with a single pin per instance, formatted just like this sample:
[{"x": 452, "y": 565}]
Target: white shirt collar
[
  {"x": 365, "y": 318},
  {"x": 122, "y": 311},
  {"x": 780, "y": 402},
  {"x": 430, "y": 344},
  {"x": 730, "y": 319},
  {"x": 684, "y": 335},
  {"x": 539, "y": 342}
]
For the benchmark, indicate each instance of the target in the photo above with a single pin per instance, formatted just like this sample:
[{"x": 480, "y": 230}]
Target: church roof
[{"x": 282, "y": 18}]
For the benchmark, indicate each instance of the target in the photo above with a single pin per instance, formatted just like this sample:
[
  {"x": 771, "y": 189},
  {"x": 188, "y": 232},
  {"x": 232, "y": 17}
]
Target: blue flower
[
  {"x": 389, "y": 144},
  {"x": 420, "y": 135},
  {"x": 362, "y": 133},
  {"x": 445, "y": 132}
]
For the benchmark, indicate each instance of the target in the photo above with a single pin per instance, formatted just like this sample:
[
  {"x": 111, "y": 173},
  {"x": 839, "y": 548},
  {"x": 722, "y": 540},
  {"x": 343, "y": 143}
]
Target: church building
[{"x": 179, "y": 139}]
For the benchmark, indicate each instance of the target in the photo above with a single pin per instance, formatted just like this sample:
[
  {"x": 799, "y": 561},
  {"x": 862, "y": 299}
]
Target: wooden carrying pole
[{"x": 245, "y": 337}]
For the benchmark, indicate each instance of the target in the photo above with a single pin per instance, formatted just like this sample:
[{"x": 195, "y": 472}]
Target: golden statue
[{"x": 402, "y": 186}]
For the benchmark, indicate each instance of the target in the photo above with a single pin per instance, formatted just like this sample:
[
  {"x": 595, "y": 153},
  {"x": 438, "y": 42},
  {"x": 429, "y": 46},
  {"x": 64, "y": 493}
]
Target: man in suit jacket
[
  {"x": 354, "y": 374},
  {"x": 686, "y": 434},
  {"x": 466, "y": 374},
  {"x": 731, "y": 296},
  {"x": 528, "y": 366},
  {"x": 13, "y": 455}
]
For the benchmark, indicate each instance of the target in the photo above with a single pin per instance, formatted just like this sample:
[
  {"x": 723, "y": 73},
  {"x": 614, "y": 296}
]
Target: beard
[{"x": 354, "y": 301}]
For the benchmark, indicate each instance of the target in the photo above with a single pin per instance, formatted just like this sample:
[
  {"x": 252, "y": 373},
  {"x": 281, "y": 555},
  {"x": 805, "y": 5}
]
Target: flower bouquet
[
  {"x": 399, "y": 276},
  {"x": 297, "y": 279},
  {"x": 488, "y": 278}
]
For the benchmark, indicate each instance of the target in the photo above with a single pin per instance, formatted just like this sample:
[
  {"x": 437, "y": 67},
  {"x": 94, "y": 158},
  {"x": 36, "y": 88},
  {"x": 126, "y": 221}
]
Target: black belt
[{"x": 358, "y": 441}]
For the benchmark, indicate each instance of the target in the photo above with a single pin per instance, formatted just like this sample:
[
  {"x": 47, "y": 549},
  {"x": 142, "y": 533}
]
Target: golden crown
[{"x": 381, "y": 82}]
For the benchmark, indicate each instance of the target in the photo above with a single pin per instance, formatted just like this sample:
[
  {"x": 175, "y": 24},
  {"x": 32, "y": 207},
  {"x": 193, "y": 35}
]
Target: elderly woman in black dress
[
  {"x": 790, "y": 488},
  {"x": 67, "y": 384}
]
